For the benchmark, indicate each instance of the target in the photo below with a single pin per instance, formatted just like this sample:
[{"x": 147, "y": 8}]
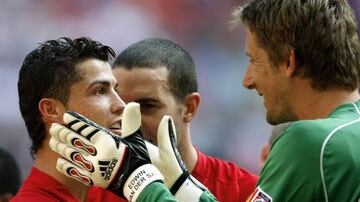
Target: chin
[{"x": 273, "y": 120}]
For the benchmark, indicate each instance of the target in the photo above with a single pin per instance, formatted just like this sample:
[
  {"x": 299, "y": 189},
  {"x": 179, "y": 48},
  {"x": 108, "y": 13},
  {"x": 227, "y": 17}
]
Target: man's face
[
  {"x": 269, "y": 81},
  {"x": 95, "y": 96},
  {"x": 149, "y": 87}
]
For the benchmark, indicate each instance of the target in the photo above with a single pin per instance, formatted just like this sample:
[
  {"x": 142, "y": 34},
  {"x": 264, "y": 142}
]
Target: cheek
[
  {"x": 272, "y": 94},
  {"x": 278, "y": 100},
  {"x": 178, "y": 129},
  {"x": 149, "y": 126},
  {"x": 93, "y": 110},
  {"x": 257, "y": 77}
]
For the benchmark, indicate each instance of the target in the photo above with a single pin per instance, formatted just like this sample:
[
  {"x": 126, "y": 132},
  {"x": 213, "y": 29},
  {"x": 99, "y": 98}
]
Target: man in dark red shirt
[
  {"x": 58, "y": 76},
  {"x": 160, "y": 76}
]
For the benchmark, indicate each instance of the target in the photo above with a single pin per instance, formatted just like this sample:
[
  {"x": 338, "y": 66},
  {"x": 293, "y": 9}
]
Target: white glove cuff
[
  {"x": 139, "y": 179},
  {"x": 190, "y": 191}
]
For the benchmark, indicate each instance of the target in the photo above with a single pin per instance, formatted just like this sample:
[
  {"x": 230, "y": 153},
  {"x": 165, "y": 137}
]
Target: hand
[
  {"x": 168, "y": 160},
  {"x": 94, "y": 156}
]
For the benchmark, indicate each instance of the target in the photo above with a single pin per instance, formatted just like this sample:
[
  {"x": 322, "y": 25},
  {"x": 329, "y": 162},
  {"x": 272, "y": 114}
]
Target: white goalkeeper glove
[
  {"x": 167, "y": 159},
  {"x": 94, "y": 156}
]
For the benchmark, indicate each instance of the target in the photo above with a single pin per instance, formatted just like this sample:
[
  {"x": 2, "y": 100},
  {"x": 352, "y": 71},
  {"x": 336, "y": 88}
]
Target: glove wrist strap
[
  {"x": 139, "y": 179},
  {"x": 190, "y": 190},
  {"x": 180, "y": 181}
]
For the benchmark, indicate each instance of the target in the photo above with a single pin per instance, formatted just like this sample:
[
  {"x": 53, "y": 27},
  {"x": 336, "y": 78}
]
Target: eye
[
  {"x": 147, "y": 105},
  {"x": 116, "y": 89},
  {"x": 100, "y": 91}
]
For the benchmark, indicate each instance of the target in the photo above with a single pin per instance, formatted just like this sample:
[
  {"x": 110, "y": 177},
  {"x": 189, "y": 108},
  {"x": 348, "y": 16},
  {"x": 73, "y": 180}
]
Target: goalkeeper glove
[
  {"x": 95, "y": 156},
  {"x": 168, "y": 160}
]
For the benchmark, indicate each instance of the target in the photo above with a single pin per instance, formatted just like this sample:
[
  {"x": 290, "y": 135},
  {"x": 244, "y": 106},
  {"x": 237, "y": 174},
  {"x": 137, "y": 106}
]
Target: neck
[
  {"x": 46, "y": 162},
  {"x": 314, "y": 104},
  {"x": 187, "y": 150}
]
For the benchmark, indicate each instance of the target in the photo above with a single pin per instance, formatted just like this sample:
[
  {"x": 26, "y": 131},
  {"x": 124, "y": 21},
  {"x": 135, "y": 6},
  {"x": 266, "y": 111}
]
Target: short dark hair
[
  {"x": 157, "y": 52},
  {"x": 9, "y": 174},
  {"x": 49, "y": 71},
  {"x": 322, "y": 33}
]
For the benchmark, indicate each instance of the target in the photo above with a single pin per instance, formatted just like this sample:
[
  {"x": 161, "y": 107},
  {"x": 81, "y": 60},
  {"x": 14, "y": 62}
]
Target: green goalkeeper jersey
[
  {"x": 158, "y": 192},
  {"x": 315, "y": 160}
]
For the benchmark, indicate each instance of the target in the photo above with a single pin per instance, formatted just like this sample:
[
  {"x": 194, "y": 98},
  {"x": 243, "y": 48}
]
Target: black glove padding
[{"x": 136, "y": 157}]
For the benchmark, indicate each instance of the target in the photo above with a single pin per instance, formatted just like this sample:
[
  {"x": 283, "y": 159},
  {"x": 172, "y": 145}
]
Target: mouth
[{"x": 116, "y": 128}]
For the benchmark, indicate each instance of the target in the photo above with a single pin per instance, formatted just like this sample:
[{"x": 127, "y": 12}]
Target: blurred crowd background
[{"x": 231, "y": 124}]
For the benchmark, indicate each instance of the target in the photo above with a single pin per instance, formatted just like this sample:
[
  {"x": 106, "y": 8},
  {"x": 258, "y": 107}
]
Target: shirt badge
[{"x": 259, "y": 196}]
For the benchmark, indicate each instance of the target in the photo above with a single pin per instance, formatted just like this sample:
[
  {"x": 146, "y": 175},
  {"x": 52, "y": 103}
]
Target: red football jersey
[
  {"x": 97, "y": 194},
  {"x": 41, "y": 187},
  {"x": 225, "y": 180}
]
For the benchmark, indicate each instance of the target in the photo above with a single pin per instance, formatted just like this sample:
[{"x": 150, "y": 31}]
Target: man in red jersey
[
  {"x": 160, "y": 76},
  {"x": 58, "y": 76}
]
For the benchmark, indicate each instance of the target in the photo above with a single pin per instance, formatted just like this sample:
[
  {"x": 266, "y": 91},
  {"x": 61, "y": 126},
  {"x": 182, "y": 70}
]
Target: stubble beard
[{"x": 284, "y": 113}]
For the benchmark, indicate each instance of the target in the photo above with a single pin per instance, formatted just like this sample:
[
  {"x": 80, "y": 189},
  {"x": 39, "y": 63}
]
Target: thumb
[
  {"x": 167, "y": 136},
  {"x": 131, "y": 120},
  {"x": 168, "y": 151}
]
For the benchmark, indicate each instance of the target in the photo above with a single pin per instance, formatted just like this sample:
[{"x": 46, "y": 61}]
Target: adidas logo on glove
[{"x": 106, "y": 168}]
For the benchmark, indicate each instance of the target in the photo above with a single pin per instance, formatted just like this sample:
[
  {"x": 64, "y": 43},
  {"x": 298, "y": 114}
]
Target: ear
[
  {"x": 291, "y": 64},
  {"x": 51, "y": 110},
  {"x": 264, "y": 154},
  {"x": 192, "y": 102}
]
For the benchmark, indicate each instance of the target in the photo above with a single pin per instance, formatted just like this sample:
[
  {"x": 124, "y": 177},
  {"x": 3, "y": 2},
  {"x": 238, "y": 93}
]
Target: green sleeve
[
  {"x": 207, "y": 197},
  {"x": 292, "y": 171},
  {"x": 158, "y": 192}
]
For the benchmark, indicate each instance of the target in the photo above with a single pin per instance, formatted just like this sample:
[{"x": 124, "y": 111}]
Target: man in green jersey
[{"x": 305, "y": 62}]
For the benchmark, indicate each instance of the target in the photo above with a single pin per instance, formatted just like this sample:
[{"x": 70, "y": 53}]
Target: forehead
[
  {"x": 250, "y": 42},
  {"x": 253, "y": 49},
  {"x": 139, "y": 82},
  {"x": 95, "y": 69}
]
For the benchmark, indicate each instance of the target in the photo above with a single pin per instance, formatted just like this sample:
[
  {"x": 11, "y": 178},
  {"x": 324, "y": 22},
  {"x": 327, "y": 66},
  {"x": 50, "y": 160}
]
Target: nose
[
  {"x": 248, "y": 81},
  {"x": 118, "y": 104}
]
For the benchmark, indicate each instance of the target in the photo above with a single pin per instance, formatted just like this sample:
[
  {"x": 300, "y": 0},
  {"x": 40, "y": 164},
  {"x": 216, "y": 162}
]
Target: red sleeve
[
  {"x": 224, "y": 179},
  {"x": 97, "y": 194},
  {"x": 35, "y": 198}
]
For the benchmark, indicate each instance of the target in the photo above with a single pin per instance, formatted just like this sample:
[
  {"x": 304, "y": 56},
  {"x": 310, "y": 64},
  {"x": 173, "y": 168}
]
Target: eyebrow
[
  {"x": 146, "y": 99},
  {"x": 102, "y": 82}
]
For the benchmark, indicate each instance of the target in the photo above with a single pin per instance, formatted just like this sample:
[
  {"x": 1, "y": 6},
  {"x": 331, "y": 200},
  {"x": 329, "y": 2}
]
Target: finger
[
  {"x": 71, "y": 154},
  {"x": 73, "y": 171},
  {"x": 166, "y": 136},
  {"x": 131, "y": 120},
  {"x": 82, "y": 125},
  {"x": 153, "y": 153},
  {"x": 168, "y": 151},
  {"x": 67, "y": 136}
]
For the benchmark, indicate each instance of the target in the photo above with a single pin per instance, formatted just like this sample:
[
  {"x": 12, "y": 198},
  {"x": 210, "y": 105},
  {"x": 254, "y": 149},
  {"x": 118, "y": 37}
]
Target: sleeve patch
[{"x": 259, "y": 196}]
